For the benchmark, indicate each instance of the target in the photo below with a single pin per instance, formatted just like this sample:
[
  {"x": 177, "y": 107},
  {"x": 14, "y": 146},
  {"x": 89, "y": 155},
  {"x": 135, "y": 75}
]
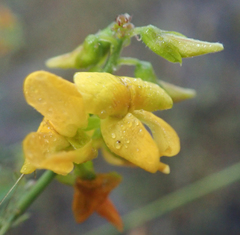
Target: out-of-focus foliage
[{"x": 11, "y": 33}]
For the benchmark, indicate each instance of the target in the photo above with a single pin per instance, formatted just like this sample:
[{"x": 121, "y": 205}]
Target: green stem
[
  {"x": 112, "y": 62},
  {"x": 174, "y": 200},
  {"x": 28, "y": 199},
  {"x": 128, "y": 61}
]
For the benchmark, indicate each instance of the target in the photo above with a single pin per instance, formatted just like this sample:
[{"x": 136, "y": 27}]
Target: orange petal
[
  {"x": 109, "y": 212},
  {"x": 89, "y": 195}
]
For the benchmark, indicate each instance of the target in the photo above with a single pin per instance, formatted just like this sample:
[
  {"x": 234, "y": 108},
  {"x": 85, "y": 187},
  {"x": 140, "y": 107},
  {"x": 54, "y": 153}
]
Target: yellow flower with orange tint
[
  {"x": 56, "y": 146},
  {"x": 123, "y": 104},
  {"x": 92, "y": 196}
]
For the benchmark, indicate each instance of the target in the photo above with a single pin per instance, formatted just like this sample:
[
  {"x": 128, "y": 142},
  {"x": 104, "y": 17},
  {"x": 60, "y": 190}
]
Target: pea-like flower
[
  {"x": 124, "y": 105},
  {"x": 59, "y": 141}
]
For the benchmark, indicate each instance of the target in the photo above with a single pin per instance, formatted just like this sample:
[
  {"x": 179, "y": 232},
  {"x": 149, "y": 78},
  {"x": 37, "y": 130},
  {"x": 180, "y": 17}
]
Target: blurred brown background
[{"x": 208, "y": 126}]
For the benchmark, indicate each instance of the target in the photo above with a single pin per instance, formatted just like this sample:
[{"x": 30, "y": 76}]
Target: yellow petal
[
  {"x": 113, "y": 159},
  {"x": 56, "y": 99},
  {"x": 27, "y": 167},
  {"x": 49, "y": 151},
  {"x": 128, "y": 138},
  {"x": 103, "y": 93},
  {"x": 164, "y": 135},
  {"x": 147, "y": 95},
  {"x": 60, "y": 162}
]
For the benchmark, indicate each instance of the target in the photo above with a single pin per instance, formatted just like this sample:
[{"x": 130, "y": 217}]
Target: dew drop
[
  {"x": 140, "y": 132},
  {"x": 118, "y": 144},
  {"x": 136, "y": 122},
  {"x": 113, "y": 135},
  {"x": 129, "y": 124},
  {"x": 102, "y": 114}
]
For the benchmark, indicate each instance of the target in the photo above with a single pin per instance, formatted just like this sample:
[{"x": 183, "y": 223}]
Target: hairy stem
[
  {"x": 28, "y": 198},
  {"x": 112, "y": 62}
]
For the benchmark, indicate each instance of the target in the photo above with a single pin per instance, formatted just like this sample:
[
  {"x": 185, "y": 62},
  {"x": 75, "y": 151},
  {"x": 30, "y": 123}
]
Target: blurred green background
[{"x": 208, "y": 126}]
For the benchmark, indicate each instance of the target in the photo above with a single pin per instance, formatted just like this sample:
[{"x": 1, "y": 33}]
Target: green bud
[
  {"x": 174, "y": 46},
  {"x": 144, "y": 70},
  {"x": 177, "y": 93},
  {"x": 90, "y": 53}
]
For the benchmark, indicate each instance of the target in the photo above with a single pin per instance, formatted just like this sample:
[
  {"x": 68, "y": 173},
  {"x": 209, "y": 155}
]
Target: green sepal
[
  {"x": 93, "y": 123},
  {"x": 154, "y": 39},
  {"x": 144, "y": 70},
  {"x": 90, "y": 53},
  {"x": 79, "y": 140},
  {"x": 68, "y": 179},
  {"x": 85, "y": 171}
]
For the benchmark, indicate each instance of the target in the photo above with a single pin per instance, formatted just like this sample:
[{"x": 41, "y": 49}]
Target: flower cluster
[{"x": 123, "y": 105}]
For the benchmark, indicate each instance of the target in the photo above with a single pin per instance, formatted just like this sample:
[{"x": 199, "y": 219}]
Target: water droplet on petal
[
  {"x": 102, "y": 114},
  {"x": 118, "y": 144},
  {"x": 113, "y": 135},
  {"x": 140, "y": 132},
  {"x": 136, "y": 122},
  {"x": 129, "y": 124}
]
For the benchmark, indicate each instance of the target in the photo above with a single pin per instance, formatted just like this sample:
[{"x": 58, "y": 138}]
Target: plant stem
[
  {"x": 174, "y": 200},
  {"x": 128, "y": 61},
  {"x": 28, "y": 199},
  {"x": 112, "y": 62}
]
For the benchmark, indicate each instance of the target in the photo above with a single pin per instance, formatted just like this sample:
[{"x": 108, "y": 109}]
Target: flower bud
[
  {"x": 177, "y": 93},
  {"x": 174, "y": 46},
  {"x": 90, "y": 53}
]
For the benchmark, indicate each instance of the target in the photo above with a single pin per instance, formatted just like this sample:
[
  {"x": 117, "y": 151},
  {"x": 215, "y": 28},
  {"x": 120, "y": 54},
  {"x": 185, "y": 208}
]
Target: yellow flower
[
  {"x": 56, "y": 146},
  {"x": 123, "y": 103}
]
